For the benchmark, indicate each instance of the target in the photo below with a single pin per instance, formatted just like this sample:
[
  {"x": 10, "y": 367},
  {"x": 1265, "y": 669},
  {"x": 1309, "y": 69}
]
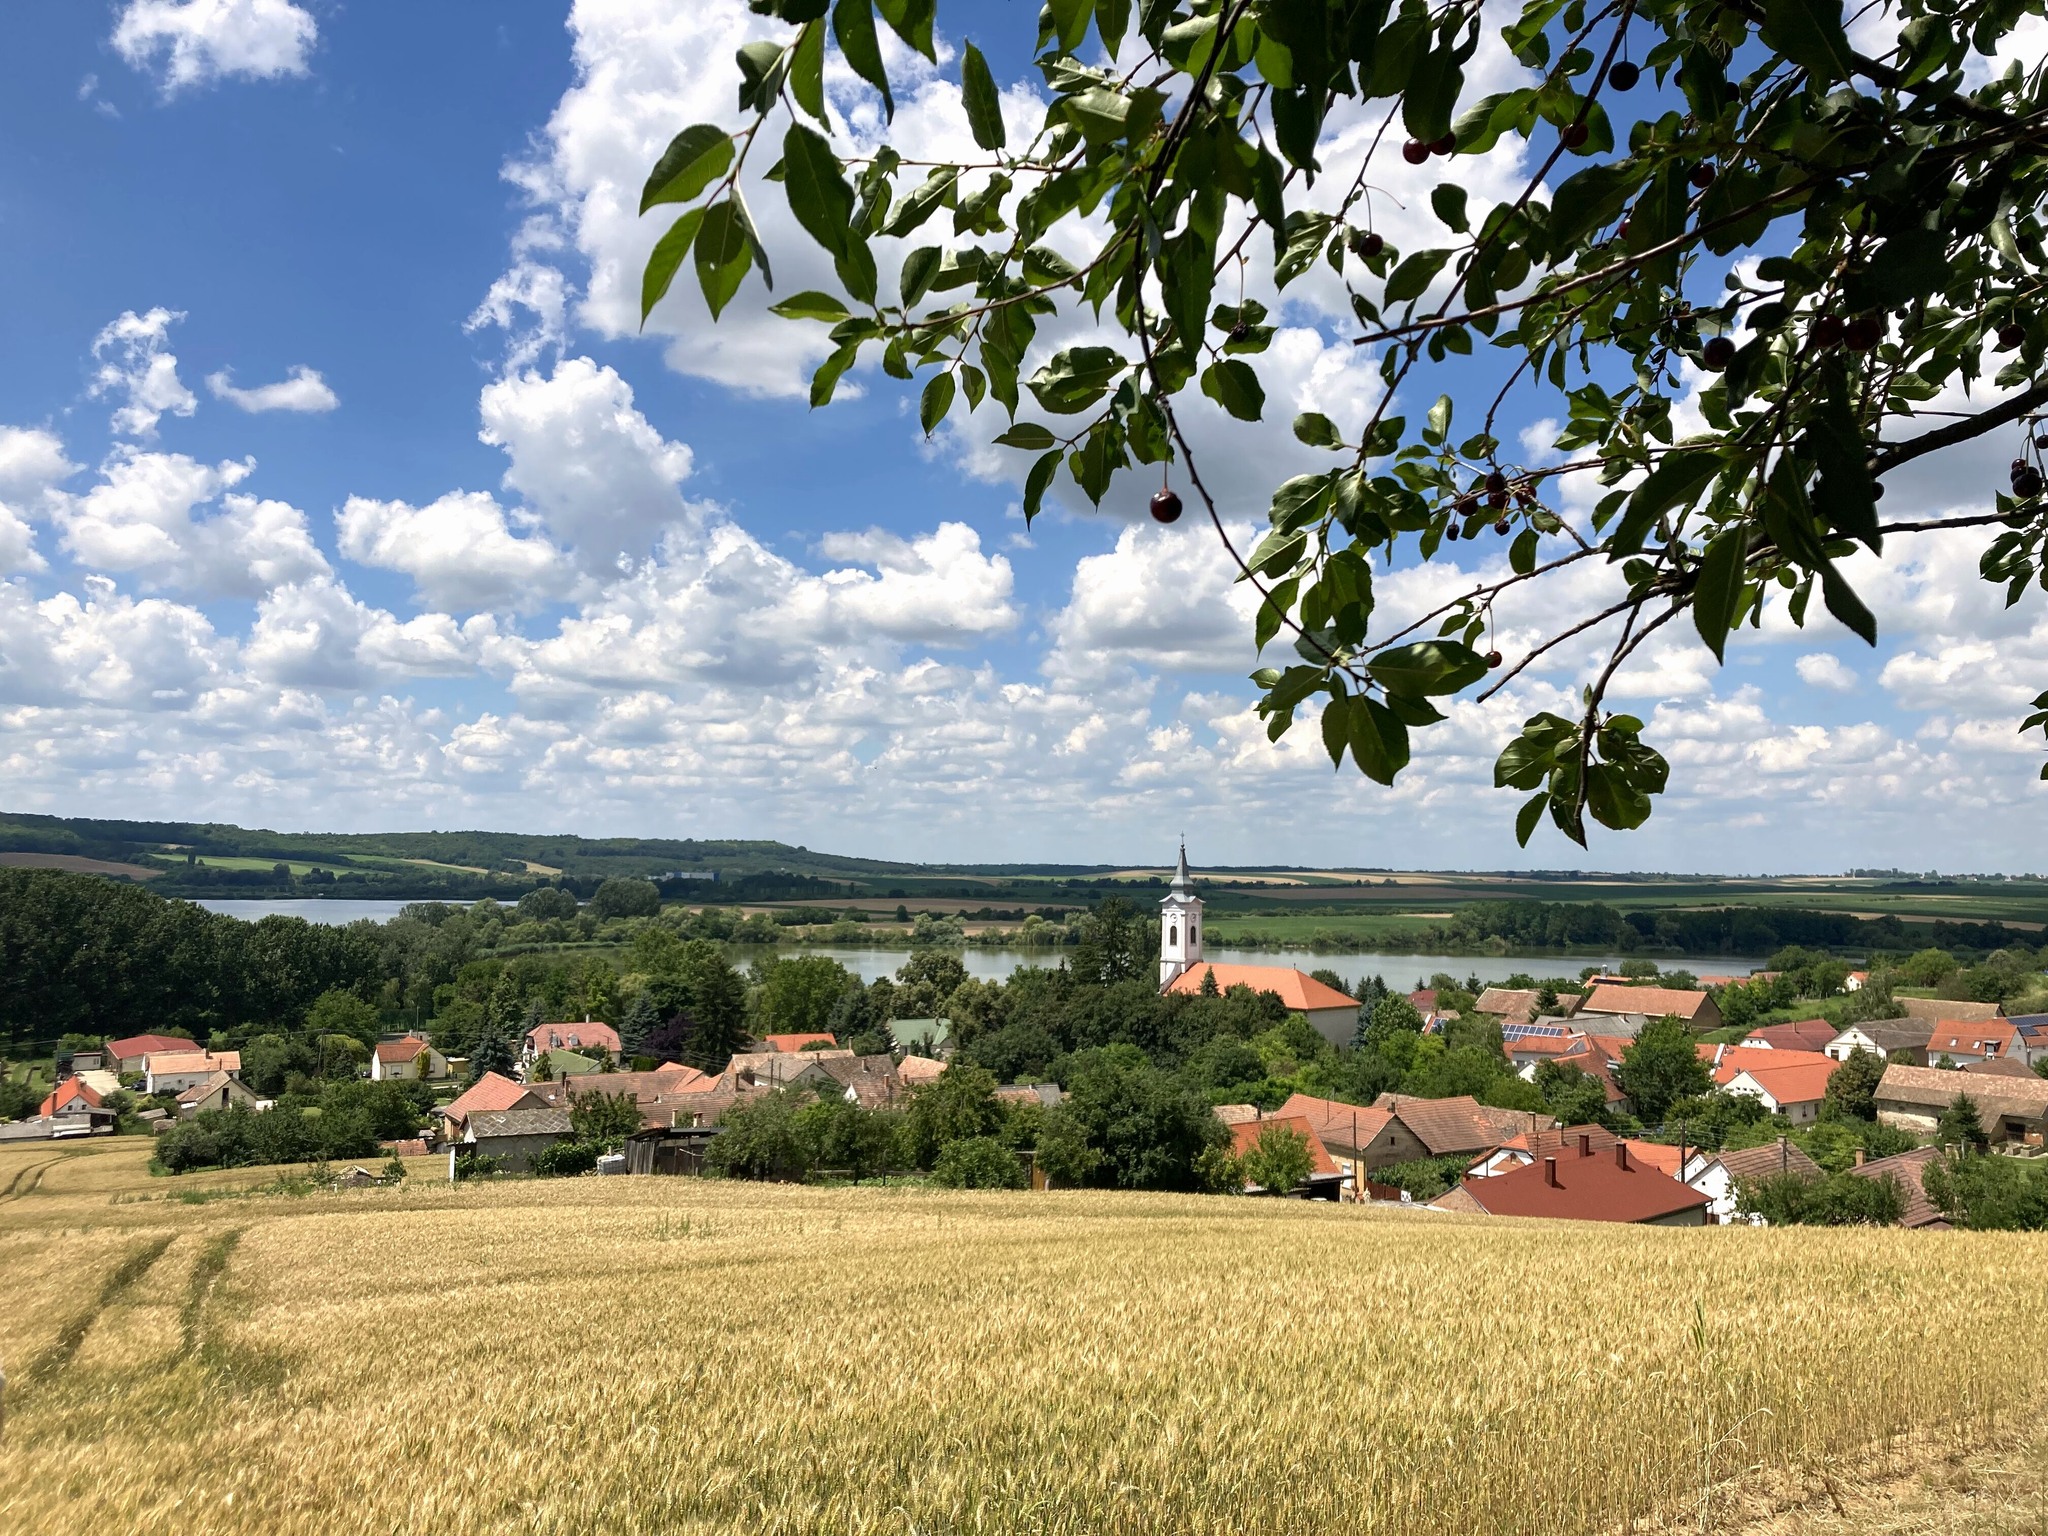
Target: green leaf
[
  {"x": 1070, "y": 22},
  {"x": 853, "y": 26},
  {"x": 818, "y": 194},
  {"x": 1075, "y": 379},
  {"x": 1037, "y": 480},
  {"x": 937, "y": 400},
  {"x": 911, "y": 20},
  {"x": 1590, "y": 199},
  {"x": 1272, "y": 613},
  {"x": 1427, "y": 666},
  {"x": 1029, "y": 435},
  {"x": 667, "y": 255},
  {"x": 1613, "y": 801},
  {"x": 810, "y": 305},
  {"x": 1845, "y": 605},
  {"x": 1233, "y": 385},
  {"x": 1810, "y": 34},
  {"x": 1317, "y": 430},
  {"x": 1414, "y": 275},
  {"x": 919, "y": 268},
  {"x": 1337, "y": 727},
  {"x": 1379, "y": 741},
  {"x": 807, "y": 70},
  {"x": 724, "y": 253},
  {"x": 984, "y": 105},
  {"x": 1677, "y": 481},
  {"x": 1717, "y": 598},
  {"x": 1530, "y": 814},
  {"x": 1432, "y": 93},
  {"x": 693, "y": 157},
  {"x": 1438, "y": 426},
  {"x": 826, "y": 379},
  {"x": 1449, "y": 202}
]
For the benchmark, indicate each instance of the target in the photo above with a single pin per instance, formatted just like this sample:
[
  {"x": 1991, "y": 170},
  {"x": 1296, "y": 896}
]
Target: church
[{"x": 1182, "y": 968}]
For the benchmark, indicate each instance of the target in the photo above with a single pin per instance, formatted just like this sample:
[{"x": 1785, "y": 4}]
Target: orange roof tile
[
  {"x": 1299, "y": 991},
  {"x": 1653, "y": 1001},
  {"x": 1596, "y": 1187},
  {"x": 1246, "y": 1133},
  {"x": 1789, "y": 1077},
  {"x": 1985, "y": 1037},
  {"x": 491, "y": 1092},
  {"x": 1345, "y": 1125},
  {"x": 796, "y": 1042}
]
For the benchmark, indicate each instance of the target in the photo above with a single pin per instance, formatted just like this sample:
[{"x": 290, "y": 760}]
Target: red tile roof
[
  {"x": 573, "y": 1037},
  {"x": 491, "y": 1092},
  {"x": 65, "y": 1092},
  {"x": 1961, "y": 1037},
  {"x": 141, "y": 1045},
  {"x": 1352, "y": 1126},
  {"x": 1589, "y": 1188},
  {"x": 1802, "y": 1035},
  {"x": 1790, "y": 1077},
  {"x": 1461, "y": 1124},
  {"x": 1654, "y": 1002},
  {"x": 392, "y": 1052},
  {"x": 1907, "y": 1167},
  {"x": 1297, "y": 990},
  {"x": 796, "y": 1042}
]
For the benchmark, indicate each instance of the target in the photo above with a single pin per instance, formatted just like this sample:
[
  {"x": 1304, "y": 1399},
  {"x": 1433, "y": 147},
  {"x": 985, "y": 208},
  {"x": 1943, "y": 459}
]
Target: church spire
[{"x": 1180, "y": 923}]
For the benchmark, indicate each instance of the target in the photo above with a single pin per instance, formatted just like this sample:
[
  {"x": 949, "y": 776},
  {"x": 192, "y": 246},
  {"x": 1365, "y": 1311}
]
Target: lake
[{"x": 1399, "y": 971}]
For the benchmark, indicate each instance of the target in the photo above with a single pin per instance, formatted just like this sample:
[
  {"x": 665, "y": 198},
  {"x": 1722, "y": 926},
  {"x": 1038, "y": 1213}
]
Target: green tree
[
  {"x": 1279, "y": 1160},
  {"x": 343, "y": 1013},
  {"x": 797, "y": 995},
  {"x": 604, "y": 1120},
  {"x": 978, "y": 1162},
  {"x": 1660, "y": 1067},
  {"x": 959, "y": 1104},
  {"x": 1834, "y": 1200},
  {"x": 1852, "y": 1087},
  {"x": 1960, "y": 1125},
  {"x": 623, "y": 896},
  {"x": 1147, "y": 1128},
  {"x": 1573, "y": 1094},
  {"x": 548, "y": 901},
  {"x": 1113, "y": 946},
  {"x": 1989, "y": 1193},
  {"x": 1064, "y": 1153}
]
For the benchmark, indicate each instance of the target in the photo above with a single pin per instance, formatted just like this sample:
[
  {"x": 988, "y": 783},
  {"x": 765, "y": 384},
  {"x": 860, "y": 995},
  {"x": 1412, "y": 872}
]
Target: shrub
[
  {"x": 564, "y": 1159},
  {"x": 978, "y": 1162}
]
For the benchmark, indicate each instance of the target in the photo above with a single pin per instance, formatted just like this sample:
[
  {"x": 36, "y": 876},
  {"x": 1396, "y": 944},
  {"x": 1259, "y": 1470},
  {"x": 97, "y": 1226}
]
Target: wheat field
[{"x": 669, "y": 1355}]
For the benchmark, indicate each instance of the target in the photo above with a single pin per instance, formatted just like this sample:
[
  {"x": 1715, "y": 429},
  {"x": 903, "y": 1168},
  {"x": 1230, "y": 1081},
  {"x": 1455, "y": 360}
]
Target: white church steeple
[{"x": 1180, "y": 924}]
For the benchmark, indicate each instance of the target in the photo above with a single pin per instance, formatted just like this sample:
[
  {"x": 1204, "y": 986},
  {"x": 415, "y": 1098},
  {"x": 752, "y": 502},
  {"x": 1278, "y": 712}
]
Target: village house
[
  {"x": 1583, "y": 1185},
  {"x": 919, "y": 1069},
  {"x": 1936, "y": 1010},
  {"x": 175, "y": 1071},
  {"x": 1524, "y": 1148},
  {"x": 1598, "y": 1056},
  {"x": 1359, "y": 1140},
  {"x": 1182, "y": 969},
  {"x": 923, "y": 1037},
  {"x": 657, "y": 1094},
  {"x": 587, "y": 1037},
  {"x": 1900, "y": 1040},
  {"x": 1457, "y": 1126},
  {"x": 1811, "y": 1035},
  {"x": 2030, "y": 1043},
  {"x": 126, "y": 1055},
  {"x": 1906, "y": 1168},
  {"x": 1965, "y": 1040},
  {"x": 216, "y": 1092},
  {"x": 1716, "y": 1174},
  {"x": 1696, "y": 1008},
  {"x": 492, "y": 1091},
  {"x": 512, "y": 1137},
  {"x": 409, "y": 1057},
  {"x": 1521, "y": 1005},
  {"x": 2011, "y": 1109},
  {"x": 1789, "y": 1083}
]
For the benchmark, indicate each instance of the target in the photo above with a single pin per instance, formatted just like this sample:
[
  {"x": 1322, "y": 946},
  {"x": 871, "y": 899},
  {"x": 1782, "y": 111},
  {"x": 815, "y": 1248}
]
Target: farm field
[{"x": 620, "y": 1355}]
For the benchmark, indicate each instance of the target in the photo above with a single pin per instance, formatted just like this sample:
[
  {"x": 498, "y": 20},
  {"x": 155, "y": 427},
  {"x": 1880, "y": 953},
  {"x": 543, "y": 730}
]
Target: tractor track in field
[
  {"x": 33, "y": 1174},
  {"x": 71, "y": 1337}
]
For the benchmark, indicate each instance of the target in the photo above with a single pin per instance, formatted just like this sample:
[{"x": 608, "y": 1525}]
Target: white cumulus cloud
[
  {"x": 460, "y": 551},
  {"x": 302, "y": 390},
  {"x": 188, "y": 43},
  {"x": 137, "y": 367}
]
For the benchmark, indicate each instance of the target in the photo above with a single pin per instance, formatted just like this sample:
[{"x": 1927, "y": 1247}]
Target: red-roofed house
[
  {"x": 70, "y": 1097},
  {"x": 126, "y": 1055},
  {"x": 1323, "y": 1169},
  {"x": 412, "y": 1057},
  {"x": 1697, "y": 1008},
  {"x": 1813, "y": 1035},
  {"x": 1359, "y": 1137},
  {"x": 798, "y": 1042},
  {"x": 490, "y": 1093},
  {"x": 1972, "y": 1040},
  {"x": 584, "y": 1039},
  {"x": 1790, "y": 1083},
  {"x": 1584, "y": 1185},
  {"x": 175, "y": 1071}
]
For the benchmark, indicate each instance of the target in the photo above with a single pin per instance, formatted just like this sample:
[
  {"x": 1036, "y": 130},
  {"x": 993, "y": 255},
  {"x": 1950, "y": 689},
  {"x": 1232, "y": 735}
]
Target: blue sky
[{"x": 490, "y": 558}]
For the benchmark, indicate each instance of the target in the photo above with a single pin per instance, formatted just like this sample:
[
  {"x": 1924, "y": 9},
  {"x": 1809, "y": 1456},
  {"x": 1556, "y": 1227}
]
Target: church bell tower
[{"x": 1180, "y": 925}]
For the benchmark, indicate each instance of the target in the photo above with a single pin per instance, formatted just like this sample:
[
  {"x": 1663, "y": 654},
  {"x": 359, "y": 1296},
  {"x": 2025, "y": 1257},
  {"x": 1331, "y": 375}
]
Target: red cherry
[
  {"x": 1623, "y": 76},
  {"x": 1451, "y": 532},
  {"x": 1575, "y": 135},
  {"x": 1718, "y": 353},
  {"x": 1444, "y": 145},
  {"x": 1702, "y": 176},
  {"x": 1492, "y": 660},
  {"x": 1415, "y": 151},
  {"x": 1827, "y": 331},
  {"x": 1863, "y": 333},
  {"x": 2012, "y": 336},
  {"x": 1165, "y": 507}
]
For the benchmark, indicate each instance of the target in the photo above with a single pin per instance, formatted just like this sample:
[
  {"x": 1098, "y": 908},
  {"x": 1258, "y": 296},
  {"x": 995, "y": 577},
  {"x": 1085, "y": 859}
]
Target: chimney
[
  {"x": 1550, "y": 1172},
  {"x": 1621, "y": 1157},
  {"x": 1859, "y": 1157},
  {"x": 1585, "y": 1143}
]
